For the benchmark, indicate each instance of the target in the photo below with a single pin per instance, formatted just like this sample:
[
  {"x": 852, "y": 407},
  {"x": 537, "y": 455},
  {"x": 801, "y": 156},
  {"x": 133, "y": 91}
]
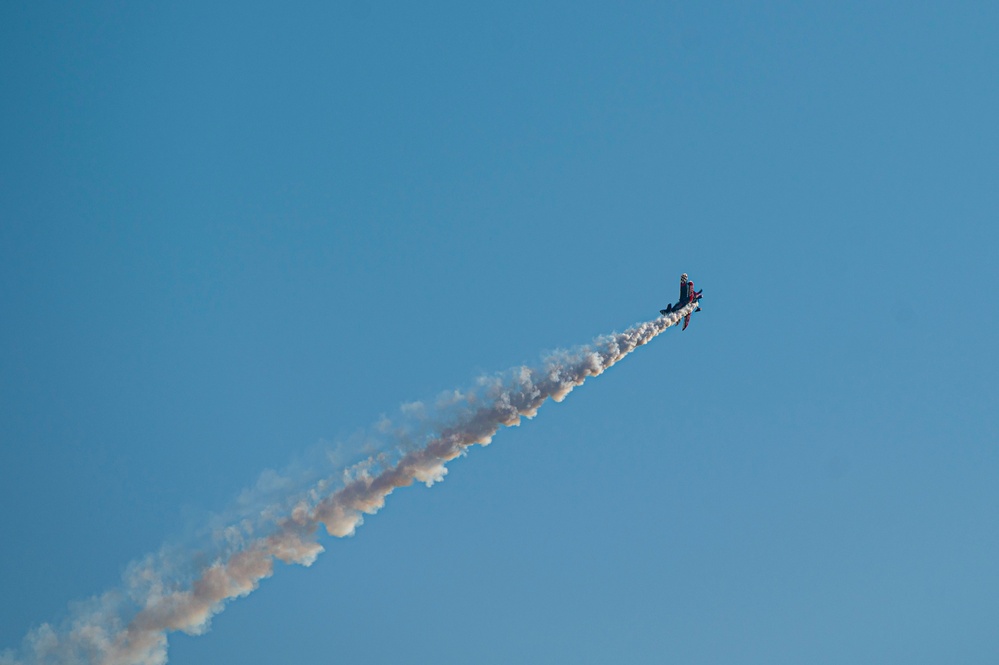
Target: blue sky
[{"x": 230, "y": 234}]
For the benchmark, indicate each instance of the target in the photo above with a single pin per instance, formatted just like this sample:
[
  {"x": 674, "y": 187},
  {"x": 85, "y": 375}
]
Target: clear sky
[{"x": 232, "y": 233}]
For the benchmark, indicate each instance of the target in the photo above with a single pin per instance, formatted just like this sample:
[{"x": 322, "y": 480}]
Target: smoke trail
[{"x": 99, "y": 635}]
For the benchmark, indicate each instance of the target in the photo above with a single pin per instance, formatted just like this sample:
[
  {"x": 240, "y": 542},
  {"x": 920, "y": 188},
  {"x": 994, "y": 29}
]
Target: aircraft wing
[{"x": 686, "y": 320}]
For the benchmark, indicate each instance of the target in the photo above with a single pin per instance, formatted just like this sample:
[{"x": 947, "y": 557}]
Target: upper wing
[{"x": 686, "y": 320}]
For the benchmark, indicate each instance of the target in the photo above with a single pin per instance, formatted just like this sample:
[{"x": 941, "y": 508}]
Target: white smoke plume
[{"x": 129, "y": 626}]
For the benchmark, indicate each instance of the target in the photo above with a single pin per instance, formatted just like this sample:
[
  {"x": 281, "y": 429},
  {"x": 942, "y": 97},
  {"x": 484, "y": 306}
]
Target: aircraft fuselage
[{"x": 687, "y": 295}]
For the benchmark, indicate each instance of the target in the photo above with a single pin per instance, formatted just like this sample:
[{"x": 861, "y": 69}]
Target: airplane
[{"x": 687, "y": 295}]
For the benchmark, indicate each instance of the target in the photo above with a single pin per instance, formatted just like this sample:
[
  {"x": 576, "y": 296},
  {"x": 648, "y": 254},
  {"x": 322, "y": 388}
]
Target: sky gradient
[{"x": 232, "y": 235}]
